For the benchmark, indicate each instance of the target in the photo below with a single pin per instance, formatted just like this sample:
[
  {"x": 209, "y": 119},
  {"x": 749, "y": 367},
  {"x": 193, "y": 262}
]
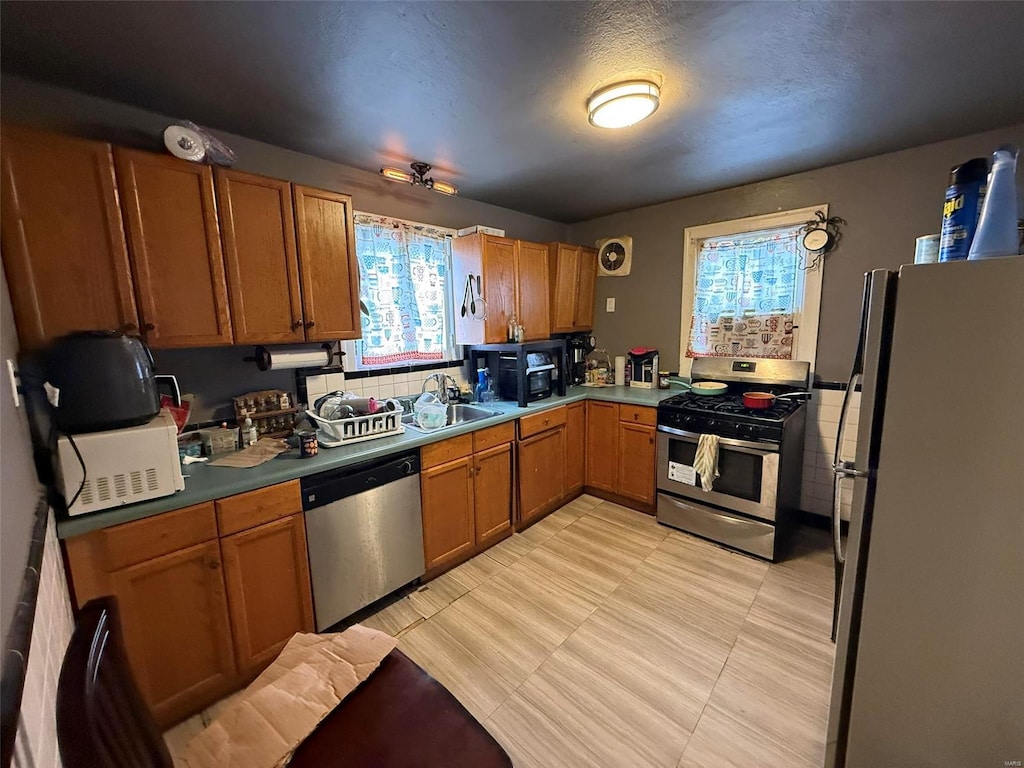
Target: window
[
  {"x": 405, "y": 292},
  {"x": 750, "y": 289}
]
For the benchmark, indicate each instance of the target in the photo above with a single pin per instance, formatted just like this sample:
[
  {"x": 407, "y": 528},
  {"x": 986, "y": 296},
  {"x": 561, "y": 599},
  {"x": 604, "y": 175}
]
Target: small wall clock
[{"x": 821, "y": 235}]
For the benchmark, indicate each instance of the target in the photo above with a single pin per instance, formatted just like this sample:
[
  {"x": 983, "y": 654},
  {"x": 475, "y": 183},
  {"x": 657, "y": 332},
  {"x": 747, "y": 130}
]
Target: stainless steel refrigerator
[{"x": 929, "y": 667}]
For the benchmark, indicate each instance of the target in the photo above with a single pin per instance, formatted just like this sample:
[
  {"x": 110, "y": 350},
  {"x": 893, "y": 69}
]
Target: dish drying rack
[{"x": 358, "y": 429}]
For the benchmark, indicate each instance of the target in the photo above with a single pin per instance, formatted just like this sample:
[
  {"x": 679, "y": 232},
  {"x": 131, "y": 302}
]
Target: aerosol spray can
[{"x": 964, "y": 197}]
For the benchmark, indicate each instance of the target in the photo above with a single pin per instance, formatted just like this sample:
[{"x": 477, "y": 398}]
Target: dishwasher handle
[{"x": 327, "y": 487}]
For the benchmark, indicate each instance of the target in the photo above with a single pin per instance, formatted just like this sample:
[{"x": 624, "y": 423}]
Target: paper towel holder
[{"x": 271, "y": 359}]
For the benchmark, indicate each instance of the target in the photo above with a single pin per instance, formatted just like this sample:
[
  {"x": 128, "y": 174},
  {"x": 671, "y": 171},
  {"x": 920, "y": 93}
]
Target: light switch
[{"x": 609, "y": 304}]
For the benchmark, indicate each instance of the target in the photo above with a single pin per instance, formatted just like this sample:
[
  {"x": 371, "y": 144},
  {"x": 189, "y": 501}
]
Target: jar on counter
[{"x": 663, "y": 379}]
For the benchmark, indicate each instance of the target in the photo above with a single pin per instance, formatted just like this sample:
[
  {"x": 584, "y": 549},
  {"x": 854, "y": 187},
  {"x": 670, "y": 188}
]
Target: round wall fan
[{"x": 615, "y": 256}]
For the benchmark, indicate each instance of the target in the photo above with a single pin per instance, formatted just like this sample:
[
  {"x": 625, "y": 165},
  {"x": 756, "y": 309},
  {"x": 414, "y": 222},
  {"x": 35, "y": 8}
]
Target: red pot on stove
[{"x": 760, "y": 401}]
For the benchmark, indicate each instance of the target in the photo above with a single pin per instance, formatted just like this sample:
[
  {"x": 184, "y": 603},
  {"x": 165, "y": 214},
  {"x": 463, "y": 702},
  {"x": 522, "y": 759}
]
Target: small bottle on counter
[
  {"x": 250, "y": 431},
  {"x": 663, "y": 379}
]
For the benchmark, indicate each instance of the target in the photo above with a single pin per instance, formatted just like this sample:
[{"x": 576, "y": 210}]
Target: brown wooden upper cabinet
[
  {"x": 573, "y": 270},
  {"x": 327, "y": 264},
  {"x": 174, "y": 242},
  {"x": 513, "y": 279},
  {"x": 63, "y": 245},
  {"x": 258, "y": 229}
]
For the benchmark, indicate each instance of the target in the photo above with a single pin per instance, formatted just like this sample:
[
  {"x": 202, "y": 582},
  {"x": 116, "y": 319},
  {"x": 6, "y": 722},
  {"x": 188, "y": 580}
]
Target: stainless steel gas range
[{"x": 752, "y": 505}]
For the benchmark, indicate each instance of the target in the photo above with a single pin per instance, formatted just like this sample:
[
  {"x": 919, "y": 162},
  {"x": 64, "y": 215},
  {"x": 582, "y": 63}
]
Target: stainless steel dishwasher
[{"x": 364, "y": 529}]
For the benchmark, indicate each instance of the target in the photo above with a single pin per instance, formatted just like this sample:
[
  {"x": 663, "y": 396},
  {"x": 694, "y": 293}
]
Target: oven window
[{"x": 740, "y": 473}]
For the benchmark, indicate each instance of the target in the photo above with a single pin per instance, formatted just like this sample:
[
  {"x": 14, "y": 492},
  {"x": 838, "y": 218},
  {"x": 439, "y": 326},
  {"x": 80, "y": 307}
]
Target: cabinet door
[
  {"x": 564, "y": 271},
  {"x": 575, "y": 447},
  {"x": 175, "y": 249},
  {"x": 541, "y": 473},
  {"x": 327, "y": 264},
  {"x": 499, "y": 284},
  {"x": 532, "y": 290},
  {"x": 447, "y": 499},
  {"x": 602, "y": 445},
  {"x": 636, "y": 467},
  {"x": 258, "y": 227},
  {"x": 586, "y": 275},
  {"x": 62, "y": 241},
  {"x": 267, "y": 573},
  {"x": 174, "y": 614},
  {"x": 492, "y": 491}
]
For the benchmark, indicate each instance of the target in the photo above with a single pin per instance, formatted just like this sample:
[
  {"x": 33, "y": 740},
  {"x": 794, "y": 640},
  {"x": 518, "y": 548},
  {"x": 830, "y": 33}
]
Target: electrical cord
[{"x": 81, "y": 461}]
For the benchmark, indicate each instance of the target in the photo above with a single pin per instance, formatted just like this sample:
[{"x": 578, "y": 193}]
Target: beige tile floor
[{"x": 599, "y": 638}]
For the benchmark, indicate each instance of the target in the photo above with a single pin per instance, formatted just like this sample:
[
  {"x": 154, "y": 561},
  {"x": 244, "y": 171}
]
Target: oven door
[
  {"x": 538, "y": 381},
  {"x": 748, "y": 473}
]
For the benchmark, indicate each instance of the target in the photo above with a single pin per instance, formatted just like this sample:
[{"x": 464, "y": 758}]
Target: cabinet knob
[
  {"x": 213, "y": 565},
  {"x": 296, "y": 324},
  {"x": 636, "y": 416},
  {"x": 310, "y": 323},
  {"x": 149, "y": 326}
]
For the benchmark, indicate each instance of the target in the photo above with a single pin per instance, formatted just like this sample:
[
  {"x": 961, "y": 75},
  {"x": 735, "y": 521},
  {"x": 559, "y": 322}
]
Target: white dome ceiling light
[{"x": 623, "y": 104}]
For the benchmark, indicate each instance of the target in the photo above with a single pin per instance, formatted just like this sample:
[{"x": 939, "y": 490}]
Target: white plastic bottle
[
  {"x": 251, "y": 435},
  {"x": 997, "y": 228}
]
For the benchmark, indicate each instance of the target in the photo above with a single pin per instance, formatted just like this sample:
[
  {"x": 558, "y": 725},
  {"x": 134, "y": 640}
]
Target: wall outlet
[
  {"x": 609, "y": 304},
  {"x": 14, "y": 383}
]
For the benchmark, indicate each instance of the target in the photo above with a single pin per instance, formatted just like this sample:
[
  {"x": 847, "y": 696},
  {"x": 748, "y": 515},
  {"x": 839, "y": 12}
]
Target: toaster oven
[{"x": 122, "y": 466}]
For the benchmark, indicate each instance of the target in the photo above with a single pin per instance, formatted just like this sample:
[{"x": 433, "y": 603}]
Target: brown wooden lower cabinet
[
  {"x": 177, "y": 633},
  {"x": 266, "y": 569},
  {"x": 202, "y": 613},
  {"x": 492, "y": 492},
  {"x": 466, "y": 494},
  {"x": 636, "y": 462},
  {"x": 446, "y": 493},
  {"x": 602, "y": 445},
  {"x": 541, "y": 473},
  {"x": 575, "y": 447}
]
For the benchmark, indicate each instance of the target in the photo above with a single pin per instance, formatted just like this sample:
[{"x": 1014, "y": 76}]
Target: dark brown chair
[
  {"x": 398, "y": 718},
  {"x": 102, "y": 719}
]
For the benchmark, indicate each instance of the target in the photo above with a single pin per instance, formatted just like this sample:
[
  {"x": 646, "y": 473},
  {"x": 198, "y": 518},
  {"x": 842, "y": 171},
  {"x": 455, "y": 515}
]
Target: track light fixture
[{"x": 419, "y": 178}]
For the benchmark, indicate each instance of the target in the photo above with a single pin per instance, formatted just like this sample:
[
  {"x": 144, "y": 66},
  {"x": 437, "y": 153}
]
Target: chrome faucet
[{"x": 447, "y": 387}]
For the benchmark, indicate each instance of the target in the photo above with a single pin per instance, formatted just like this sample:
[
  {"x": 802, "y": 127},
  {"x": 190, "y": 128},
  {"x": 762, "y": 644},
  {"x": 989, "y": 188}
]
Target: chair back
[{"x": 102, "y": 719}]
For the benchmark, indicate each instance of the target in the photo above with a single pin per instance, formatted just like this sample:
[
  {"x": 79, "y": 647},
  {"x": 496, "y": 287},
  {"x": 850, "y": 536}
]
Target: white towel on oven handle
[{"x": 706, "y": 460}]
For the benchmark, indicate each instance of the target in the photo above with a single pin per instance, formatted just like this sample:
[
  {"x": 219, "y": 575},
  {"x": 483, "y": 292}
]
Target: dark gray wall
[
  {"x": 216, "y": 374},
  {"x": 19, "y": 490},
  {"x": 888, "y": 201}
]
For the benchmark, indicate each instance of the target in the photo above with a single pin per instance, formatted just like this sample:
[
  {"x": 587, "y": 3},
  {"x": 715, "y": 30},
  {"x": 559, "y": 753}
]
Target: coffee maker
[{"x": 577, "y": 347}]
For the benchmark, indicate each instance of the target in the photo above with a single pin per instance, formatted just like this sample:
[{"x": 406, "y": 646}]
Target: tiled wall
[
  {"x": 36, "y": 743},
  {"x": 819, "y": 447},
  {"x": 378, "y": 386}
]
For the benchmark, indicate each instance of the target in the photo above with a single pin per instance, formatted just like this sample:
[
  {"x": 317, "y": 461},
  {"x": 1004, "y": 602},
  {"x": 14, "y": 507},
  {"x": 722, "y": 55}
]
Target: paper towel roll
[
  {"x": 620, "y": 371},
  {"x": 185, "y": 143},
  {"x": 283, "y": 358}
]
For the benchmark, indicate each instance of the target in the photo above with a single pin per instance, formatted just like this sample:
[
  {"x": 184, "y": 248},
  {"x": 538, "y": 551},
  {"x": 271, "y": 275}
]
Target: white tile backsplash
[
  {"x": 819, "y": 450},
  {"x": 36, "y": 740}
]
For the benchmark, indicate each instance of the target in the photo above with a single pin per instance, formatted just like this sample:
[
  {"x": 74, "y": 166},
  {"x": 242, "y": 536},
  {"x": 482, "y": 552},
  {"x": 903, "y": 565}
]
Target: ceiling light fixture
[
  {"x": 419, "y": 178},
  {"x": 623, "y": 104}
]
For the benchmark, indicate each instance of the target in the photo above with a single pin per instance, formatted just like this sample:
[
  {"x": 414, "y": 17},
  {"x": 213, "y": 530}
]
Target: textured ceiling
[{"x": 493, "y": 93}]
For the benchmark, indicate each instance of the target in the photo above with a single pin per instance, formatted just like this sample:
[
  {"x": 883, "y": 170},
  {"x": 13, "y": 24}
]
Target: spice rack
[{"x": 271, "y": 411}]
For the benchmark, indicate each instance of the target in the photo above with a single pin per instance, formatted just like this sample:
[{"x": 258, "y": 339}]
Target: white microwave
[{"x": 122, "y": 466}]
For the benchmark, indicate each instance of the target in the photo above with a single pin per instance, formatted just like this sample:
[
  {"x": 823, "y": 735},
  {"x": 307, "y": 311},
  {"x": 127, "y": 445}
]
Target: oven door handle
[{"x": 743, "y": 446}]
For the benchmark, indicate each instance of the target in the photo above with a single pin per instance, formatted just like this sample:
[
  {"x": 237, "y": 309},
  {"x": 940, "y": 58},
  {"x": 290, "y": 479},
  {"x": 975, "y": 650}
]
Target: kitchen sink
[{"x": 458, "y": 413}]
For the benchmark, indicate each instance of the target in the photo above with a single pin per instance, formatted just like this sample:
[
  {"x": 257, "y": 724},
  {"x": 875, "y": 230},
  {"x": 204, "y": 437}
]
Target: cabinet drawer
[
  {"x": 638, "y": 414},
  {"x": 127, "y": 544},
  {"x": 445, "y": 451},
  {"x": 492, "y": 436},
  {"x": 531, "y": 425},
  {"x": 247, "y": 510}
]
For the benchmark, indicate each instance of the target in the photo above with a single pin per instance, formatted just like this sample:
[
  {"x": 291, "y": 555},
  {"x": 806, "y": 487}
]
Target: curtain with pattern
[
  {"x": 403, "y": 271},
  {"x": 748, "y": 294}
]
